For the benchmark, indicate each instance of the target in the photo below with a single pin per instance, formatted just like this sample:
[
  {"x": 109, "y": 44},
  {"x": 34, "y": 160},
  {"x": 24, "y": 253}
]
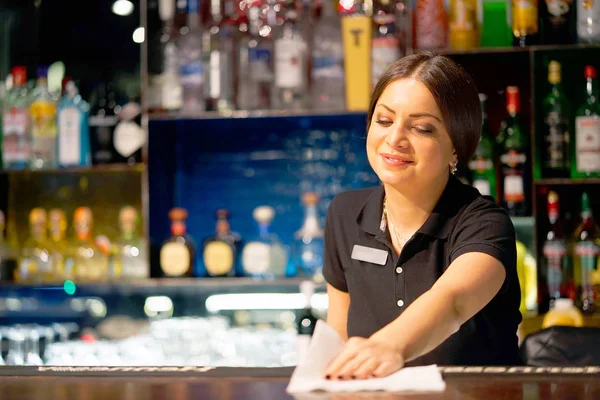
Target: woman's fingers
[{"x": 367, "y": 368}]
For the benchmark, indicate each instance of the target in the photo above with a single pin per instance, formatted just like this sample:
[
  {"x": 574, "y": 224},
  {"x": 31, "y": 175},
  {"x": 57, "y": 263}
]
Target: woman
[{"x": 422, "y": 269}]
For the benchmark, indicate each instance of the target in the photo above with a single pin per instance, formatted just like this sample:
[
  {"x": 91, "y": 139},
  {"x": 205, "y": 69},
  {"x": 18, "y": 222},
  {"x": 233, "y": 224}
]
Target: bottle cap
[
  {"x": 178, "y": 214},
  {"x": 42, "y": 71},
  {"x": 512, "y": 99},
  {"x": 263, "y": 214},
  {"x": 310, "y": 199},
  {"x": 589, "y": 72},
  {"x": 307, "y": 288},
  {"x": 482, "y": 97},
  {"x": 128, "y": 218},
  {"x": 552, "y": 203},
  {"x": 563, "y": 304},
  {"x": 83, "y": 214},
  {"x": 554, "y": 72},
  {"x": 56, "y": 217},
  {"x": 222, "y": 213},
  {"x": 585, "y": 202},
  {"x": 19, "y": 75},
  {"x": 2, "y": 221},
  {"x": 38, "y": 216}
]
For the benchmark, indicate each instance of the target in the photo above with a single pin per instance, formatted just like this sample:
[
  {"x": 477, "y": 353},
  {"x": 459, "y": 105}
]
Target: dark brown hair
[{"x": 453, "y": 90}]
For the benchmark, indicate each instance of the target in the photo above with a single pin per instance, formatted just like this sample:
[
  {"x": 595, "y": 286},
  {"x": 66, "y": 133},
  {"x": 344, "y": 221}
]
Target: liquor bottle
[
  {"x": 255, "y": 68},
  {"x": 36, "y": 258},
  {"x": 525, "y": 22},
  {"x": 558, "y": 23},
  {"x": 177, "y": 253},
  {"x": 431, "y": 24},
  {"x": 15, "y": 122},
  {"x": 220, "y": 251},
  {"x": 463, "y": 32},
  {"x": 59, "y": 246},
  {"x": 291, "y": 63},
  {"x": 385, "y": 44},
  {"x": 131, "y": 249},
  {"x": 73, "y": 130},
  {"x": 306, "y": 320},
  {"x": 103, "y": 120},
  {"x": 556, "y": 258},
  {"x": 218, "y": 60},
  {"x": 265, "y": 256},
  {"x": 588, "y": 21},
  {"x": 328, "y": 89},
  {"x": 191, "y": 71},
  {"x": 495, "y": 27},
  {"x": 8, "y": 257},
  {"x": 43, "y": 124},
  {"x": 483, "y": 173},
  {"x": 309, "y": 239},
  {"x": 404, "y": 26},
  {"x": 90, "y": 262},
  {"x": 556, "y": 127},
  {"x": 2, "y": 94},
  {"x": 586, "y": 253},
  {"x": 585, "y": 158},
  {"x": 129, "y": 137},
  {"x": 513, "y": 158}
]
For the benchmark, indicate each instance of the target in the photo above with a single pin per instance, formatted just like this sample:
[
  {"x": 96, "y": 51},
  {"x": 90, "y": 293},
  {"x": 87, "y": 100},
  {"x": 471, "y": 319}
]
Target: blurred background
[{"x": 166, "y": 166}]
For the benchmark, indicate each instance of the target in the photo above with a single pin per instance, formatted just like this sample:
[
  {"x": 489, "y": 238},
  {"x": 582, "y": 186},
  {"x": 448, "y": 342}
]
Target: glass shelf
[
  {"x": 71, "y": 170},
  {"x": 242, "y": 114},
  {"x": 567, "y": 181}
]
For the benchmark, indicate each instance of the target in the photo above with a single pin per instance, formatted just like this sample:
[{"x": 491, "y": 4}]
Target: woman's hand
[{"x": 365, "y": 358}]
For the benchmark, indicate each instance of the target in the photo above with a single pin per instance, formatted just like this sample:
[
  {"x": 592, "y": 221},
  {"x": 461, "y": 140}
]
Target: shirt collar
[{"x": 370, "y": 217}]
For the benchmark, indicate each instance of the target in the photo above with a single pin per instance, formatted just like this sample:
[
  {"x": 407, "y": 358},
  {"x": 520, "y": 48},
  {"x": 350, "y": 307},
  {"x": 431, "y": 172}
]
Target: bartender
[{"x": 422, "y": 269}]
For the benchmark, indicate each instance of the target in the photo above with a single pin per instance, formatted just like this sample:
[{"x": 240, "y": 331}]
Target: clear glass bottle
[
  {"x": 191, "y": 72},
  {"x": 585, "y": 151},
  {"x": 59, "y": 246},
  {"x": 36, "y": 258},
  {"x": 328, "y": 85},
  {"x": 309, "y": 240},
  {"x": 16, "y": 143},
  {"x": 32, "y": 348},
  {"x": 265, "y": 256},
  {"x": 588, "y": 21},
  {"x": 218, "y": 60},
  {"x": 73, "y": 129},
  {"x": 219, "y": 252},
  {"x": 385, "y": 44},
  {"x": 16, "y": 347},
  {"x": 291, "y": 63},
  {"x": 102, "y": 122},
  {"x": 90, "y": 262},
  {"x": 177, "y": 253},
  {"x": 132, "y": 254},
  {"x": 43, "y": 124},
  {"x": 8, "y": 257},
  {"x": 306, "y": 322}
]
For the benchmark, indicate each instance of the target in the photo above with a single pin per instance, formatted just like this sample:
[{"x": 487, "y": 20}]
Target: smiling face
[{"x": 407, "y": 142}]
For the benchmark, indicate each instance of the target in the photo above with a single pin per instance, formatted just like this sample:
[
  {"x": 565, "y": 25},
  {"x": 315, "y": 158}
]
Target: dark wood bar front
[{"x": 260, "y": 384}]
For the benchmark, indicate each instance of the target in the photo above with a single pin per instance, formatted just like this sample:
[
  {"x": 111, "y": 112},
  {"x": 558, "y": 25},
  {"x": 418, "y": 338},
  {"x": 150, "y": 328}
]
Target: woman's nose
[{"x": 397, "y": 137}]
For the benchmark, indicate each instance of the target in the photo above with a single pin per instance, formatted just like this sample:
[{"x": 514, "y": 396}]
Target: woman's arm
[
  {"x": 468, "y": 285},
  {"x": 337, "y": 314}
]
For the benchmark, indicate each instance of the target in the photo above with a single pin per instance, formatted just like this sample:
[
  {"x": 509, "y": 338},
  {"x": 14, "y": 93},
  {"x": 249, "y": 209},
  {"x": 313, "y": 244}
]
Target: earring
[{"x": 454, "y": 167}]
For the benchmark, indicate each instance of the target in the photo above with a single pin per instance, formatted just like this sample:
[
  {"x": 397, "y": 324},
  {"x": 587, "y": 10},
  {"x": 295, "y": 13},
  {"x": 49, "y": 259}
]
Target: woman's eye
[
  {"x": 424, "y": 131},
  {"x": 384, "y": 122}
]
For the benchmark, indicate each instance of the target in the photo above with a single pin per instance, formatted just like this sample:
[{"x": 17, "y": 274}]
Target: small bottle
[
  {"x": 90, "y": 262},
  {"x": 191, "y": 72},
  {"x": 586, "y": 252},
  {"x": 306, "y": 320},
  {"x": 525, "y": 22},
  {"x": 431, "y": 24},
  {"x": 73, "y": 130},
  {"x": 588, "y": 21},
  {"x": 265, "y": 256},
  {"x": 16, "y": 347},
  {"x": 36, "y": 259},
  {"x": 129, "y": 136},
  {"x": 385, "y": 44},
  {"x": 563, "y": 313},
  {"x": 102, "y": 122},
  {"x": 131, "y": 249},
  {"x": 482, "y": 164},
  {"x": 16, "y": 142},
  {"x": 43, "y": 124},
  {"x": 221, "y": 250},
  {"x": 59, "y": 246},
  {"x": 177, "y": 253},
  {"x": 585, "y": 151},
  {"x": 8, "y": 257},
  {"x": 32, "y": 349},
  {"x": 556, "y": 126},
  {"x": 463, "y": 25},
  {"x": 309, "y": 240}
]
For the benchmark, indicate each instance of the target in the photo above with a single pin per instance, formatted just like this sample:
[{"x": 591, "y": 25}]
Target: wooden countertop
[{"x": 262, "y": 384}]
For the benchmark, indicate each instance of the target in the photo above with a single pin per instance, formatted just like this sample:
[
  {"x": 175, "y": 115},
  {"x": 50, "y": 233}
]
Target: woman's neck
[{"x": 409, "y": 209}]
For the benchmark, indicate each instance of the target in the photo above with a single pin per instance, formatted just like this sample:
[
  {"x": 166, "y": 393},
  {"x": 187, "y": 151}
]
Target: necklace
[{"x": 401, "y": 240}]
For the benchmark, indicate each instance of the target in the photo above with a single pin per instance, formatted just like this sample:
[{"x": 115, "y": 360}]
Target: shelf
[
  {"x": 567, "y": 181},
  {"x": 242, "y": 114},
  {"x": 74, "y": 170},
  {"x": 509, "y": 50}
]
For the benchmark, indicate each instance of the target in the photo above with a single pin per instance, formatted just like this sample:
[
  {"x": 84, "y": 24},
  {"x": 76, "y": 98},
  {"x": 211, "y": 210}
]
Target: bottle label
[
  {"x": 462, "y": 17},
  {"x": 43, "y": 119},
  {"x": 525, "y": 17},
  {"x": 289, "y": 59},
  {"x": 15, "y": 146},
  {"x": 327, "y": 66},
  {"x": 69, "y": 138},
  {"x": 215, "y": 71},
  {"x": 557, "y": 140},
  {"x": 103, "y": 121},
  {"x": 430, "y": 27},
  {"x": 218, "y": 258},
  {"x": 129, "y": 137},
  {"x": 483, "y": 185},
  {"x": 481, "y": 164},
  {"x": 256, "y": 258},
  {"x": 175, "y": 259},
  {"x": 513, "y": 158},
  {"x": 259, "y": 58},
  {"x": 192, "y": 73},
  {"x": 384, "y": 52},
  {"x": 513, "y": 189},
  {"x": 554, "y": 253},
  {"x": 587, "y": 144},
  {"x": 558, "y": 10}
]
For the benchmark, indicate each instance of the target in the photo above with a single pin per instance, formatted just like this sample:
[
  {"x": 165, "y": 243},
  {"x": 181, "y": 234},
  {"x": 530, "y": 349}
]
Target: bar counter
[{"x": 182, "y": 383}]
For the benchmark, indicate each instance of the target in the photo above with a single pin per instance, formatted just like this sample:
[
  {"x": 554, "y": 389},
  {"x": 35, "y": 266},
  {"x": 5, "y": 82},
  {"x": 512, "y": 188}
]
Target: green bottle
[
  {"x": 585, "y": 151},
  {"x": 555, "y": 151},
  {"x": 483, "y": 173},
  {"x": 586, "y": 255}
]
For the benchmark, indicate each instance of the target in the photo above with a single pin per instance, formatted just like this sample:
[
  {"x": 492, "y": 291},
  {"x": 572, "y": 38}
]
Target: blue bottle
[{"x": 73, "y": 129}]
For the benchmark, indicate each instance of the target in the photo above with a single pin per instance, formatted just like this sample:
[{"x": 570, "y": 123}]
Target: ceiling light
[
  {"x": 122, "y": 7},
  {"x": 138, "y": 35}
]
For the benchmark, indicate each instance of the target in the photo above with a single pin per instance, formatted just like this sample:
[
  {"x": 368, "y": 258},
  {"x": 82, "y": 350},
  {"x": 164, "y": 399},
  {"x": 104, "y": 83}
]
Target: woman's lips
[{"x": 395, "y": 161}]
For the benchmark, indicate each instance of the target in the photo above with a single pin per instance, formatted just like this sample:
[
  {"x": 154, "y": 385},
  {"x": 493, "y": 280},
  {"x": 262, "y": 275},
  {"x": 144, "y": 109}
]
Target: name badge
[{"x": 369, "y": 254}]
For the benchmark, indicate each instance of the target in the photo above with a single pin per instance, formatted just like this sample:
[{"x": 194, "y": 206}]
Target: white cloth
[{"x": 326, "y": 344}]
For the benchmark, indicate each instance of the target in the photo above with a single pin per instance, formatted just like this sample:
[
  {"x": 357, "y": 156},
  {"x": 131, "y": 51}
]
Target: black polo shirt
[{"x": 384, "y": 286}]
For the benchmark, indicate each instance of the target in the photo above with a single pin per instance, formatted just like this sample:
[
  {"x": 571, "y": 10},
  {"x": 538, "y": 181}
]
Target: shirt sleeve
[
  {"x": 486, "y": 228},
  {"x": 333, "y": 271}
]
